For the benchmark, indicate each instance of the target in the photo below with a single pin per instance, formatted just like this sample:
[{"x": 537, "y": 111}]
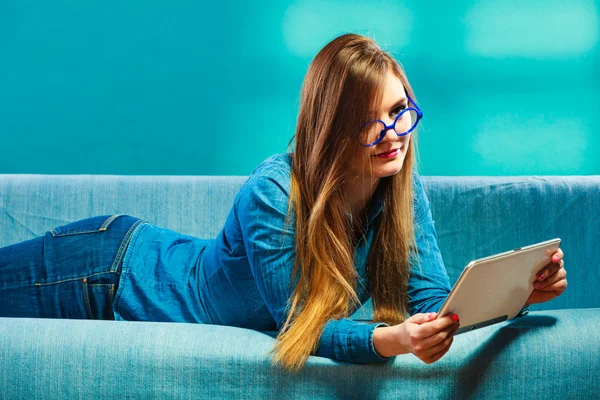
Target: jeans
[{"x": 71, "y": 271}]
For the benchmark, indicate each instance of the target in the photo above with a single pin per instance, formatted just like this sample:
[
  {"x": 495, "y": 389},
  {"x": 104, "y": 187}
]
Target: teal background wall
[{"x": 148, "y": 87}]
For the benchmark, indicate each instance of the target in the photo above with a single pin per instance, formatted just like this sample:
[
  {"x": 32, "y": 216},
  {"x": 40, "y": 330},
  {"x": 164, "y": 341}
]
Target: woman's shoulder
[
  {"x": 278, "y": 164},
  {"x": 269, "y": 182},
  {"x": 275, "y": 170}
]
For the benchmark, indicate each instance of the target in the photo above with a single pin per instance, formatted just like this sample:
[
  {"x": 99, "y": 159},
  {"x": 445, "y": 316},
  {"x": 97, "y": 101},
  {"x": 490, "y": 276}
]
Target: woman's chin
[{"x": 390, "y": 169}]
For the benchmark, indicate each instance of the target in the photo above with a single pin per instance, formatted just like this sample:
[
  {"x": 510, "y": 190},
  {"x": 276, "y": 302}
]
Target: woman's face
[{"x": 387, "y": 157}]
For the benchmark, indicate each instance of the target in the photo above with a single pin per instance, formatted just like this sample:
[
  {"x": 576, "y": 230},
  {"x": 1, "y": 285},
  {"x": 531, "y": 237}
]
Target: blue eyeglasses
[{"x": 373, "y": 132}]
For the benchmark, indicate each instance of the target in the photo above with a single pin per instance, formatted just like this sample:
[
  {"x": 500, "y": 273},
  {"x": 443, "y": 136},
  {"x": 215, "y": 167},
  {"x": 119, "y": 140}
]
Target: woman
[{"x": 311, "y": 236}]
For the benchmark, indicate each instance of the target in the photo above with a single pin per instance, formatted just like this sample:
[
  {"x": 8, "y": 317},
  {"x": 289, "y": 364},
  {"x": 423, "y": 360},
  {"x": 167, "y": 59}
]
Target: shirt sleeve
[
  {"x": 261, "y": 208},
  {"x": 428, "y": 284}
]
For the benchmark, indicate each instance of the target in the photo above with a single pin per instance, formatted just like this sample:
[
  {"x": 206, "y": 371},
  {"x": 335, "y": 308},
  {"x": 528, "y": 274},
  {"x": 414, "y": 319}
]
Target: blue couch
[{"x": 554, "y": 352}]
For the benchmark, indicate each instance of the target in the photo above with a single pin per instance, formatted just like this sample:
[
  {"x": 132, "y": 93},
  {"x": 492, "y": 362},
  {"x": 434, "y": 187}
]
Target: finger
[
  {"x": 436, "y": 356},
  {"x": 421, "y": 318},
  {"x": 440, "y": 347},
  {"x": 558, "y": 287},
  {"x": 557, "y": 256},
  {"x": 555, "y": 277},
  {"x": 549, "y": 270},
  {"x": 431, "y": 328},
  {"x": 434, "y": 340}
]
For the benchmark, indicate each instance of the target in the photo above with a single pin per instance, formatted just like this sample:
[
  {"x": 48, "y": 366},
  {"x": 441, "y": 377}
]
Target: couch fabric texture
[{"x": 553, "y": 352}]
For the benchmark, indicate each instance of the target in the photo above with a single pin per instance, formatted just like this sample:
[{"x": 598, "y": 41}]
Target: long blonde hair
[{"x": 342, "y": 89}]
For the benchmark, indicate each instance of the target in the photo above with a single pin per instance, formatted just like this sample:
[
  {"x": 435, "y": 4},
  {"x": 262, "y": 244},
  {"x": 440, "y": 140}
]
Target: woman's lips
[{"x": 389, "y": 154}]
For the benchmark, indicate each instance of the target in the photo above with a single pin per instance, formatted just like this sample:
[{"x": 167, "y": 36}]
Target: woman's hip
[
  {"x": 70, "y": 272},
  {"x": 95, "y": 245}
]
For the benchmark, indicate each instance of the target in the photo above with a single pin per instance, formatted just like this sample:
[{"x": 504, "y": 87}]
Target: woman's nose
[{"x": 390, "y": 136}]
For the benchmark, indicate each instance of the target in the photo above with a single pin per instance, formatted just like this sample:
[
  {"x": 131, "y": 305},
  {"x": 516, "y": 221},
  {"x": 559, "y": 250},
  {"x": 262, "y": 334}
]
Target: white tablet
[{"x": 495, "y": 288}]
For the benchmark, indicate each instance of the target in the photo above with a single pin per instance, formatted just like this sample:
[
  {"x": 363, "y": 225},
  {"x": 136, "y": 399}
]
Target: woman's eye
[{"x": 398, "y": 110}]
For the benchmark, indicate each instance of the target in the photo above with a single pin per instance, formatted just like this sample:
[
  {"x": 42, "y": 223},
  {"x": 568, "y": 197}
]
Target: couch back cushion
[{"x": 475, "y": 216}]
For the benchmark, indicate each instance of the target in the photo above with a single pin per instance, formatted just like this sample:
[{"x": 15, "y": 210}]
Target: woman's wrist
[{"x": 386, "y": 343}]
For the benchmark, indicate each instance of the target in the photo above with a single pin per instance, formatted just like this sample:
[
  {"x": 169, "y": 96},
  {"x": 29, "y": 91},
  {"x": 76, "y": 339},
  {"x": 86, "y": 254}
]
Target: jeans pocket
[
  {"x": 88, "y": 225},
  {"x": 98, "y": 299}
]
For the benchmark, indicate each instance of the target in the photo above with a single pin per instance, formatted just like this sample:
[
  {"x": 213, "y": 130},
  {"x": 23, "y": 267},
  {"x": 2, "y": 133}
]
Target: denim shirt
[{"x": 243, "y": 277}]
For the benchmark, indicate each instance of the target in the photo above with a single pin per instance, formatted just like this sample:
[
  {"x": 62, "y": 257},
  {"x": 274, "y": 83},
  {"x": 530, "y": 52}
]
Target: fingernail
[
  {"x": 431, "y": 315},
  {"x": 555, "y": 259},
  {"x": 454, "y": 317},
  {"x": 536, "y": 284},
  {"x": 541, "y": 278}
]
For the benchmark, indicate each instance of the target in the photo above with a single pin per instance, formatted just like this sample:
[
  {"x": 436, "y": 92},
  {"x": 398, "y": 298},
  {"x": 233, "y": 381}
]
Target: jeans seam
[
  {"x": 56, "y": 234},
  {"x": 112, "y": 299},
  {"x": 125, "y": 271},
  {"x": 124, "y": 244},
  {"x": 56, "y": 282},
  {"x": 86, "y": 299},
  {"x": 102, "y": 228},
  {"x": 108, "y": 221}
]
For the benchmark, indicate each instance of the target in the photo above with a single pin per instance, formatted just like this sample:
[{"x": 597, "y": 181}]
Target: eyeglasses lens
[{"x": 372, "y": 131}]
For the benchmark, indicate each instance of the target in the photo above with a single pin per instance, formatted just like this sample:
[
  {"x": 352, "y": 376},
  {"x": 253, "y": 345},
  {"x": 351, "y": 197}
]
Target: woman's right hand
[{"x": 423, "y": 335}]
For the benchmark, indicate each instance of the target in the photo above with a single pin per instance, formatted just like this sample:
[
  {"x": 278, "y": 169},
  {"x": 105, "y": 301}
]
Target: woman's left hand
[{"x": 551, "y": 280}]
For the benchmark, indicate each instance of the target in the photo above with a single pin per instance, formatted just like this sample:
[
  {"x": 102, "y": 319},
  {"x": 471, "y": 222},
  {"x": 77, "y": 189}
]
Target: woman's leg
[{"x": 70, "y": 272}]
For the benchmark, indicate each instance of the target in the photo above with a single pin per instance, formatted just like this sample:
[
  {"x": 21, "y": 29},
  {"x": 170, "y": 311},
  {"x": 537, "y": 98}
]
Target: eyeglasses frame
[{"x": 393, "y": 124}]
